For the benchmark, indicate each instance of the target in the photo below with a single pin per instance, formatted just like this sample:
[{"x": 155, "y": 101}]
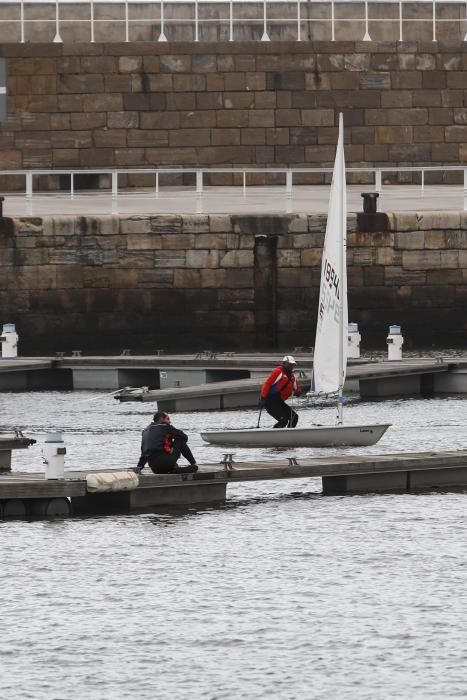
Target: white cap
[{"x": 290, "y": 359}]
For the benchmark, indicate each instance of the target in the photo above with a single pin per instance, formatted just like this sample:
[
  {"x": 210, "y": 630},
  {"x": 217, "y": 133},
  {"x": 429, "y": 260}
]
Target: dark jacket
[{"x": 159, "y": 437}]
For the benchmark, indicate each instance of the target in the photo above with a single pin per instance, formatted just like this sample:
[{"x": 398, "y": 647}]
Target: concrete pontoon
[{"x": 26, "y": 495}]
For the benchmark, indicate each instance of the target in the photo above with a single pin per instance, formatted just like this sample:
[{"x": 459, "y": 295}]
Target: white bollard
[
  {"x": 395, "y": 342},
  {"x": 9, "y": 340},
  {"x": 54, "y": 452},
  {"x": 353, "y": 341}
]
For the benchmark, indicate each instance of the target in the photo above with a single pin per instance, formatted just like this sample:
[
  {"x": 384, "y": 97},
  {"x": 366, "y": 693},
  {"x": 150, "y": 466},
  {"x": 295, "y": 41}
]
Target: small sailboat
[{"x": 330, "y": 353}]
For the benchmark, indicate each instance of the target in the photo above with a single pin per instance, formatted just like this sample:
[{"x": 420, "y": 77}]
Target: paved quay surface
[{"x": 232, "y": 200}]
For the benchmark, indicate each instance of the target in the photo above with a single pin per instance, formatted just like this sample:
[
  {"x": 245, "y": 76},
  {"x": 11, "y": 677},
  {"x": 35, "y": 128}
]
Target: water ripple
[{"x": 279, "y": 593}]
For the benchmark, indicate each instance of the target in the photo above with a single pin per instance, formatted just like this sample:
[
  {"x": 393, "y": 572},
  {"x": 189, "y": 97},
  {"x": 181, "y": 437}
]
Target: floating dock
[
  {"x": 26, "y": 495},
  {"x": 9, "y": 443},
  {"x": 208, "y": 381},
  {"x": 424, "y": 377}
]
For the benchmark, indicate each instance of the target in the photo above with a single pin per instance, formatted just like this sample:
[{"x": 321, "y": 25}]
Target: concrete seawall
[{"x": 225, "y": 282}]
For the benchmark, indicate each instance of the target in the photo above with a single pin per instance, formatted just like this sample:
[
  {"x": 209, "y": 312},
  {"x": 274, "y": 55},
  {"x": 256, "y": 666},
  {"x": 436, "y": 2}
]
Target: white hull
[{"x": 317, "y": 436}]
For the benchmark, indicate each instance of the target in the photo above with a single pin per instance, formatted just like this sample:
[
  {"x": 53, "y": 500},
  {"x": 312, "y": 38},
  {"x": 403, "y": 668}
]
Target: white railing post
[
  {"x": 423, "y": 180},
  {"x": 465, "y": 35},
  {"x": 199, "y": 191},
  {"x": 199, "y": 182},
  {"x": 465, "y": 180},
  {"x": 367, "y": 36},
  {"x": 127, "y": 29},
  {"x": 400, "y": 21},
  {"x": 196, "y": 21},
  {"x": 434, "y": 20},
  {"x": 114, "y": 185},
  {"x": 289, "y": 183},
  {"x": 162, "y": 36},
  {"x": 265, "y": 36},
  {"x": 92, "y": 21},
  {"x": 378, "y": 180},
  {"x": 244, "y": 183},
  {"x": 333, "y": 22},
  {"x": 22, "y": 21},
  {"x": 29, "y": 185},
  {"x": 231, "y": 21},
  {"x": 57, "y": 38},
  {"x": 157, "y": 183},
  {"x": 72, "y": 185},
  {"x": 299, "y": 34}
]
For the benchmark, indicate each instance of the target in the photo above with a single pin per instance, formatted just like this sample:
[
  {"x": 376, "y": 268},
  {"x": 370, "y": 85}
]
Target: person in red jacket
[{"x": 279, "y": 386}]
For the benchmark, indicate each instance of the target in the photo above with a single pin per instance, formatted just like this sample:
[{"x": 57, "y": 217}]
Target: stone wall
[
  {"x": 225, "y": 282},
  {"x": 251, "y": 104}
]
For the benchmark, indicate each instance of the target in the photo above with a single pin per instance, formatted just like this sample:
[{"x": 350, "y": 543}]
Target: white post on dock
[
  {"x": 395, "y": 342},
  {"x": 54, "y": 452},
  {"x": 353, "y": 341},
  {"x": 9, "y": 340}
]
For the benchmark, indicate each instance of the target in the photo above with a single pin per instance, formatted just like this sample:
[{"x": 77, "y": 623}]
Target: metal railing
[
  {"x": 234, "y": 18},
  {"x": 200, "y": 176}
]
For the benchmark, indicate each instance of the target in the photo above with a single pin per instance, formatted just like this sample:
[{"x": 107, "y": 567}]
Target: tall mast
[{"x": 342, "y": 258}]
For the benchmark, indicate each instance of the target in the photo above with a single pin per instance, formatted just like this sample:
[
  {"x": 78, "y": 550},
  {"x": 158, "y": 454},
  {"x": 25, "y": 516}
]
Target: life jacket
[
  {"x": 279, "y": 383},
  {"x": 168, "y": 443}
]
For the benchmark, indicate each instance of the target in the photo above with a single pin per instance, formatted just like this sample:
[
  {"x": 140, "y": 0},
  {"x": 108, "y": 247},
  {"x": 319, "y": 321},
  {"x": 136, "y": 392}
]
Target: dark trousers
[
  {"x": 165, "y": 463},
  {"x": 284, "y": 415}
]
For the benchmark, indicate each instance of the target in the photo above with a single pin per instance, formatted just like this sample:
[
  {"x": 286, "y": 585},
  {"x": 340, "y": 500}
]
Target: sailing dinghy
[{"x": 330, "y": 353}]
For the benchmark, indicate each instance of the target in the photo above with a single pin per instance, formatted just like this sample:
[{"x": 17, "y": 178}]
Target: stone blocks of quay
[
  {"x": 125, "y": 105},
  {"x": 225, "y": 281}
]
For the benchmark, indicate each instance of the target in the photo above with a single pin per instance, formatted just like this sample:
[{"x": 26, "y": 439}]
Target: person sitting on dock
[
  {"x": 279, "y": 386},
  {"x": 161, "y": 446}
]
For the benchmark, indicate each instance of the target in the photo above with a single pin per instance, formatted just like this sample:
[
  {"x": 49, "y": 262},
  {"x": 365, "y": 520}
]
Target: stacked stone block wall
[
  {"x": 259, "y": 104},
  {"x": 225, "y": 282}
]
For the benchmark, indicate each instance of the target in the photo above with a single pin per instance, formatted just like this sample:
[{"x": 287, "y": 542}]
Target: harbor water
[{"x": 279, "y": 593}]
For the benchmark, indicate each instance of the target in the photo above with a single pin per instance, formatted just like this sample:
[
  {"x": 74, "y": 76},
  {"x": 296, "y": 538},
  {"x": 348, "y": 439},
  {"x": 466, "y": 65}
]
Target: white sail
[
  {"x": 330, "y": 352},
  {"x": 330, "y": 356}
]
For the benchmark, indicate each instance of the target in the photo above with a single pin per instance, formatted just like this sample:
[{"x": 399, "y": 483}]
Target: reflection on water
[{"x": 278, "y": 593}]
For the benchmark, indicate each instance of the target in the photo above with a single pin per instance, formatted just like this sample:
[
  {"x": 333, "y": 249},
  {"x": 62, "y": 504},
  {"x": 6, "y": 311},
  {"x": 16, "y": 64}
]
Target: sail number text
[{"x": 330, "y": 291}]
